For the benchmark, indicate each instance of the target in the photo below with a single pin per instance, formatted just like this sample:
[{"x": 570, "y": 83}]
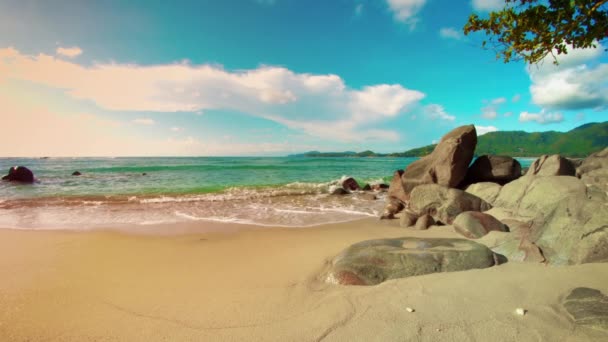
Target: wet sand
[{"x": 233, "y": 282}]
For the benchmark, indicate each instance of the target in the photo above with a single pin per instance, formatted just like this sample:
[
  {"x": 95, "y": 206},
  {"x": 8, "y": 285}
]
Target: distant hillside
[{"x": 578, "y": 142}]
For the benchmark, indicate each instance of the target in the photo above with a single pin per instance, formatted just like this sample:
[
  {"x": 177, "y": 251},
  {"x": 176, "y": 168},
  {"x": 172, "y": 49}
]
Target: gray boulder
[
  {"x": 593, "y": 171},
  {"x": 473, "y": 224},
  {"x": 588, "y": 307},
  {"x": 375, "y": 261},
  {"x": 487, "y": 191},
  {"x": 554, "y": 165},
  {"x": 395, "y": 189},
  {"x": 490, "y": 168},
  {"x": 442, "y": 203},
  {"x": 447, "y": 165}
]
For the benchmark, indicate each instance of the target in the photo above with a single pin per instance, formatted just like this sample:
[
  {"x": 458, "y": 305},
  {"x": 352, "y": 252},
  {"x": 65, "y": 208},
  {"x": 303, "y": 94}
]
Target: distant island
[{"x": 578, "y": 142}]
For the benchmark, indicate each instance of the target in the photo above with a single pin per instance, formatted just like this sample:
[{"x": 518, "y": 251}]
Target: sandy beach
[{"x": 259, "y": 284}]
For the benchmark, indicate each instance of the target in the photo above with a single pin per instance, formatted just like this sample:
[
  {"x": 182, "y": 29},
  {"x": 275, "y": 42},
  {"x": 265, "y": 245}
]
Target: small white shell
[
  {"x": 410, "y": 309},
  {"x": 521, "y": 311}
]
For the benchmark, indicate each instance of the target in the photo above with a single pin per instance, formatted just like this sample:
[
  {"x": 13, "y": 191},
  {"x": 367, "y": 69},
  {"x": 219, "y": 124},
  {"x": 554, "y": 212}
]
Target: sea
[{"x": 147, "y": 191}]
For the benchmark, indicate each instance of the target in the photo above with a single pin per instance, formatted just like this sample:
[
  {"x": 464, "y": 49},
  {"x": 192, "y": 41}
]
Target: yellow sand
[{"x": 264, "y": 285}]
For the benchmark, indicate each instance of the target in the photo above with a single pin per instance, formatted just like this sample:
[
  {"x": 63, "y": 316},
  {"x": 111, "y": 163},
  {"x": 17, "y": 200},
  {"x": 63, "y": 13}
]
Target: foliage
[{"x": 533, "y": 29}]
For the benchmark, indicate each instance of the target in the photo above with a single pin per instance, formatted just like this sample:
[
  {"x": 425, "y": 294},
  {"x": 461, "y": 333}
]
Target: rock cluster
[{"x": 556, "y": 213}]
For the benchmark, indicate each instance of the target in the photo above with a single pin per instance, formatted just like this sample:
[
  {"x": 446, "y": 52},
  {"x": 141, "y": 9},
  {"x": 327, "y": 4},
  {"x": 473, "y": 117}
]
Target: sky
[{"x": 269, "y": 78}]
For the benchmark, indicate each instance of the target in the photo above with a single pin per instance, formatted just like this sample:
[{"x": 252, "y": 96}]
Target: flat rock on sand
[
  {"x": 375, "y": 261},
  {"x": 588, "y": 307}
]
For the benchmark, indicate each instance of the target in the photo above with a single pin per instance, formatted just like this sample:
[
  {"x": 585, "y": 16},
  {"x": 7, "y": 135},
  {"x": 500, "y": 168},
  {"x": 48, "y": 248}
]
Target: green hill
[{"x": 578, "y": 142}]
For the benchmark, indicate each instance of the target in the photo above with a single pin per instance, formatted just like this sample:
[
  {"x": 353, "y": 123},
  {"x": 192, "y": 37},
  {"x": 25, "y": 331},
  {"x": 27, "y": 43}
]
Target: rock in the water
[
  {"x": 444, "y": 204},
  {"x": 380, "y": 187},
  {"x": 76, "y": 173},
  {"x": 340, "y": 191},
  {"x": 490, "y": 168},
  {"x": 408, "y": 219},
  {"x": 447, "y": 165},
  {"x": 424, "y": 222},
  {"x": 487, "y": 191},
  {"x": 351, "y": 184},
  {"x": 588, "y": 307},
  {"x": 392, "y": 207},
  {"x": 374, "y": 261},
  {"x": 367, "y": 187},
  {"x": 19, "y": 174},
  {"x": 395, "y": 190},
  {"x": 554, "y": 165},
  {"x": 473, "y": 224}
]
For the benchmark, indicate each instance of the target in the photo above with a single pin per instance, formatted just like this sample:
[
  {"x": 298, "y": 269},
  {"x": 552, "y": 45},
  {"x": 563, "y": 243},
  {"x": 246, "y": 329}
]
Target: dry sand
[{"x": 264, "y": 285}]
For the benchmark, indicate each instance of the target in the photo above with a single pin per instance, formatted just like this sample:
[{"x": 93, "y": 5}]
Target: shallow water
[{"x": 272, "y": 191}]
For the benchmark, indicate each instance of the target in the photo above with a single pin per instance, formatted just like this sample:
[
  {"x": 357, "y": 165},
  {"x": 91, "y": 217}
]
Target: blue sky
[{"x": 269, "y": 77}]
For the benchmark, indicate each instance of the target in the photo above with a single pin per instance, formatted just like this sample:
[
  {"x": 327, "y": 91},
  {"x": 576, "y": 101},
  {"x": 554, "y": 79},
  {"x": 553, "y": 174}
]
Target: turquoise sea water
[{"x": 274, "y": 191}]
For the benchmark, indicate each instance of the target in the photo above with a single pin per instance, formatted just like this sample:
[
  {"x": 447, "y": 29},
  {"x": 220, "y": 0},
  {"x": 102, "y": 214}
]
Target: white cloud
[
  {"x": 435, "y": 111},
  {"x": 406, "y": 10},
  {"x": 576, "y": 83},
  {"x": 542, "y": 118},
  {"x": 69, "y": 52},
  {"x": 490, "y": 111},
  {"x": 450, "y": 33},
  {"x": 275, "y": 93},
  {"x": 516, "y": 98},
  {"x": 144, "y": 121},
  {"x": 481, "y": 130},
  {"x": 487, "y": 5},
  {"x": 176, "y": 129}
]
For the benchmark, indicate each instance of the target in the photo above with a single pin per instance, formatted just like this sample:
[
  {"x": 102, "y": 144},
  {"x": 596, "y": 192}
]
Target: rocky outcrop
[
  {"x": 554, "y": 165},
  {"x": 395, "y": 189},
  {"x": 447, "y": 165},
  {"x": 442, "y": 203},
  {"x": 588, "y": 307},
  {"x": 496, "y": 169},
  {"x": 392, "y": 207},
  {"x": 424, "y": 222},
  {"x": 408, "y": 219},
  {"x": 473, "y": 224},
  {"x": 19, "y": 174},
  {"x": 487, "y": 191},
  {"x": 375, "y": 261}
]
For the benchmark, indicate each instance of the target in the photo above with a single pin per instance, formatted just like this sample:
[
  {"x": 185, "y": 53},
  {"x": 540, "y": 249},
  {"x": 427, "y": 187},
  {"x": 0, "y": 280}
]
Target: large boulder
[
  {"x": 473, "y": 224},
  {"x": 490, "y": 168},
  {"x": 19, "y": 174},
  {"x": 374, "y": 261},
  {"x": 593, "y": 171},
  {"x": 350, "y": 184},
  {"x": 447, "y": 165},
  {"x": 530, "y": 196},
  {"x": 442, "y": 203},
  {"x": 395, "y": 189},
  {"x": 588, "y": 307},
  {"x": 487, "y": 191},
  {"x": 554, "y": 165}
]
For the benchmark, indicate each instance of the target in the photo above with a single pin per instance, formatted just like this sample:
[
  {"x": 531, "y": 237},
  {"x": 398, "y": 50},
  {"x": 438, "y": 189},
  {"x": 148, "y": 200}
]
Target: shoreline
[{"x": 264, "y": 283}]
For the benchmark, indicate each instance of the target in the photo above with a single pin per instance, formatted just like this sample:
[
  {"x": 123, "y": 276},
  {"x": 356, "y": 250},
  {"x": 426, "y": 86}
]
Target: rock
[
  {"x": 487, "y": 191},
  {"x": 367, "y": 187},
  {"x": 408, "y": 219},
  {"x": 424, "y": 222},
  {"x": 392, "y": 207},
  {"x": 490, "y": 168},
  {"x": 588, "y": 307},
  {"x": 410, "y": 310},
  {"x": 380, "y": 187},
  {"x": 594, "y": 170},
  {"x": 76, "y": 173},
  {"x": 520, "y": 311},
  {"x": 375, "y": 261},
  {"x": 473, "y": 224},
  {"x": 447, "y": 165},
  {"x": 530, "y": 196},
  {"x": 554, "y": 165},
  {"x": 340, "y": 192},
  {"x": 350, "y": 184},
  {"x": 144, "y": 174},
  {"x": 19, "y": 174},
  {"x": 395, "y": 190},
  {"x": 444, "y": 204}
]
